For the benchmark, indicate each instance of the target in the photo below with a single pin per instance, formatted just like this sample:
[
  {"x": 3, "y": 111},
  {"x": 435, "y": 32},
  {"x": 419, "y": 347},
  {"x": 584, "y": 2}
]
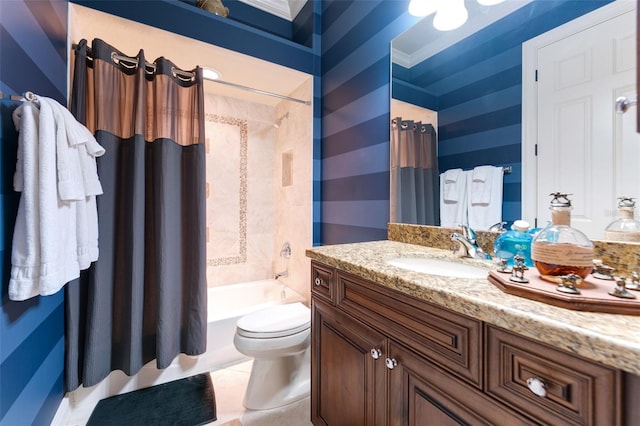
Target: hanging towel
[
  {"x": 451, "y": 188},
  {"x": 53, "y": 238},
  {"x": 481, "y": 184},
  {"x": 454, "y": 213},
  {"x": 481, "y": 213}
]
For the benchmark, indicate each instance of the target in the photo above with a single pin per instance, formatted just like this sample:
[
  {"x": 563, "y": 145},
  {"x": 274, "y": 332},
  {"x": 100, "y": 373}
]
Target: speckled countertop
[{"x": 611, "y": 339}]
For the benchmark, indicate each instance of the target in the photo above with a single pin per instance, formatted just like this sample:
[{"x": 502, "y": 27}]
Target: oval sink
[{"x": 438, "y": 267}]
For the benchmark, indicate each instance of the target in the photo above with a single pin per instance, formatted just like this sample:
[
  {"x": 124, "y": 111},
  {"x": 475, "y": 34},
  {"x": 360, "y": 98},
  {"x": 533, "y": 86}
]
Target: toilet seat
[{"x": 276, "y": 321}]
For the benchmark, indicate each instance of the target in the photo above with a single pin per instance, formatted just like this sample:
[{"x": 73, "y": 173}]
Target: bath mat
[{"x": 185, "y": 402}]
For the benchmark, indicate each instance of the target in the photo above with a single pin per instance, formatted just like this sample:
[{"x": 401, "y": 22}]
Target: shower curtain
[
  {"x": 414, "y": 173},
  {"x": 145, "y": 297}
]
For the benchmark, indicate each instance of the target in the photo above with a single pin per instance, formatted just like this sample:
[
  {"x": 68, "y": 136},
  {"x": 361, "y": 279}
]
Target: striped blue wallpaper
[
  {"x": 356, "y": 38},
  {"x": 32, "y": 57},
  {"x": 476, "y": 87}
]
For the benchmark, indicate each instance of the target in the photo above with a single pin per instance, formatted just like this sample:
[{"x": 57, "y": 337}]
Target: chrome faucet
[
  {"x": 467, "y": 246},
  {"x": 283, "y": 274}
]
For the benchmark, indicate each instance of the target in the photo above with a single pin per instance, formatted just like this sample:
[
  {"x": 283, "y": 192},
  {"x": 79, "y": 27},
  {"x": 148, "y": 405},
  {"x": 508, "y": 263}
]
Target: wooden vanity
[{"x": 396, "y": 347}]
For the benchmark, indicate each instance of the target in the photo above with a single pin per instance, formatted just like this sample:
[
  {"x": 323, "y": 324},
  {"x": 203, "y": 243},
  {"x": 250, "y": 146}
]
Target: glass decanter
[
  {"x": 559, "y": 249},
  {"x": 625, "y": 228}
]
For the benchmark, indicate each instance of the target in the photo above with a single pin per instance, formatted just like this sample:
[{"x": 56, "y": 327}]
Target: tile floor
[{"x": 229, "y": 385}]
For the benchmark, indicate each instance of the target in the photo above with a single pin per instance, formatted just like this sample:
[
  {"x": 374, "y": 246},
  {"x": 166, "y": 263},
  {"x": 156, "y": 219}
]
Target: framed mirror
[{"x": 471, "y": 82}]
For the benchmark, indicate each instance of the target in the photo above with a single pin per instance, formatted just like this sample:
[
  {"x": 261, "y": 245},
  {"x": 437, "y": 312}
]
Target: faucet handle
[{"x": 468, "y": 233}]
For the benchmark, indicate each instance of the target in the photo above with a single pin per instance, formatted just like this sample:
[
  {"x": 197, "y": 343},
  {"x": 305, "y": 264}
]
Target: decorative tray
[{"x": 594, "y": 293}]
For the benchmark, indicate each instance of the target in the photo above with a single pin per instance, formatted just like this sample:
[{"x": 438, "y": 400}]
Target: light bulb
[
  {"x": 422, "y": 7},
  {"x": 489, "y": 2},
  {"x": 451, "y": 16},
  {"x": 210, "y": 74}
]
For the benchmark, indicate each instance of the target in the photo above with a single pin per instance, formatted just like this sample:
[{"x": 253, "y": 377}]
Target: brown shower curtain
[
  {"x": 414, "y": 173},
  {"x": 145, "y": 297}
]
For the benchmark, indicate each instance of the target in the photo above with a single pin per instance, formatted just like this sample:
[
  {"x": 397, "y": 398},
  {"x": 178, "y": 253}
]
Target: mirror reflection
[{"x": 478, "y": 87}]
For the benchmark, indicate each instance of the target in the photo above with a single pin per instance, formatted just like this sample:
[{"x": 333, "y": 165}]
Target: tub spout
[{"x": 283, "y": 274}]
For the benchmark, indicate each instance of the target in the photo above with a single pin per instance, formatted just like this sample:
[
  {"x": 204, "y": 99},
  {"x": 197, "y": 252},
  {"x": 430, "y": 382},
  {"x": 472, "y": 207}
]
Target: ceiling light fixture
[
  {"x": 422, "y": 7},
  {"x": 449, "y": 14},
  {"x": 489, "y": 2},
  {"x": 210, "y": 74}
]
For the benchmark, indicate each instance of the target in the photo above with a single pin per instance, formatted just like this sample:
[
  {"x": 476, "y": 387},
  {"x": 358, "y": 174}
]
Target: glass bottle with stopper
[
  {"x": 559, "y": 250},
  {"x": 625, "y": 228}
]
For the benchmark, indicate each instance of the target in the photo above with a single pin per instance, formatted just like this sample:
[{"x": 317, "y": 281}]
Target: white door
[{"x": 584, "y": 147}]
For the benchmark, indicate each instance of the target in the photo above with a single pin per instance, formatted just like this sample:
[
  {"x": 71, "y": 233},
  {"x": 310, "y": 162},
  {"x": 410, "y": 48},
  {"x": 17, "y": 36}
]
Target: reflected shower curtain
[
  {"x": 415, "y": 187},
  {"x": 145, "y": 297}
]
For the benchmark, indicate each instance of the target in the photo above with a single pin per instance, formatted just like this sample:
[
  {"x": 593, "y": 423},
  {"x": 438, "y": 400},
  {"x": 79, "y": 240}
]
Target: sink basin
[{"x": 440, "y": 267}]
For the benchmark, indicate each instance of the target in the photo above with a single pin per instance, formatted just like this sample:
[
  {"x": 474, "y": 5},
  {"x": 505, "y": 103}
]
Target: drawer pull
[
  {"x": 376, "y": 353},
  {"x": 391, "y": 363},
  {"x": 317, "y": 281},
  {"x": 537, "y": 386}
]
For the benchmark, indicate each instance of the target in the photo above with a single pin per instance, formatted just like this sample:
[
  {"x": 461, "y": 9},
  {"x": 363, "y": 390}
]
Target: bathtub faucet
[{"x": 283, "y": 274}]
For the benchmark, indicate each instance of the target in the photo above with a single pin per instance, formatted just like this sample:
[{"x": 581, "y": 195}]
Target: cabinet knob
[
  {"x": 317, "y": 281},
  {"x": 391, "y": 363},
  {"x": 376, "y": 353},
  {"x": 537, "y": 386}
]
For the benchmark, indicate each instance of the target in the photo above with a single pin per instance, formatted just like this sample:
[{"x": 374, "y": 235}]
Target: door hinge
[
  {"x": 536, "y": 75},
  {"x": 535, "y": 150},
  {"x": 535, "y": 222}
]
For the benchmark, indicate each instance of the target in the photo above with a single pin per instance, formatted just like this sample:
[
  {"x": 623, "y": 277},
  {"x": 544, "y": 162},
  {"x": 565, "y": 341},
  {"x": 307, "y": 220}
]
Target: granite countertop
[{"x": 611, "y": 339}]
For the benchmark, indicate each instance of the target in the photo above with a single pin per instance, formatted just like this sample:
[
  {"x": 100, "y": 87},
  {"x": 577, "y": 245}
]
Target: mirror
[{"x": 469, "y": 83}]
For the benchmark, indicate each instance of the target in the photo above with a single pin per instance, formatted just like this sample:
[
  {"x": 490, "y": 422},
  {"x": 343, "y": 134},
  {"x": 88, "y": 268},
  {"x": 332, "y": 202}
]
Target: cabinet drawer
[
  {"x": 574, "y": 391},
  {"x": 445, "y": 338},
  {"x": 322, "y": 281}
]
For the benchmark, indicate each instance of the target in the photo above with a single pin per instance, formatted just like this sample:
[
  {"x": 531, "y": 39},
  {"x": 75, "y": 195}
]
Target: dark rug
[{"x": 185, "y": 402}]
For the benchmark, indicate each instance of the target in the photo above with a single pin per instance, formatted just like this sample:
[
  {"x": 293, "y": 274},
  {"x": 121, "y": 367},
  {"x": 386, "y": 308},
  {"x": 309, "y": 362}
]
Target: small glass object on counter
[
  {"x": 516, "y": 241},
  {"x": 559, "y": 250},
  {"x": 625, "y": 228}
]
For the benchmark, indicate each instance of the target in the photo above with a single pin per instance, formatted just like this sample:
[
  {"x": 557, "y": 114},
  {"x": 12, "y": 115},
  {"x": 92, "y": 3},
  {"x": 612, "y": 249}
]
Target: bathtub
[{"x": 226, "y": 304}]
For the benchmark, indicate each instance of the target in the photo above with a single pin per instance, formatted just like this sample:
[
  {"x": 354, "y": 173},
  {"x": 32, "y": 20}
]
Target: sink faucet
[{"x": 467, "y": 246}]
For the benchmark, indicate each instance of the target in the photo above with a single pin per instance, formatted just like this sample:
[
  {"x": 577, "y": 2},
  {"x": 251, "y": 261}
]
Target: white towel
[
  {"x": 481, "y": 184},
  {"x": 454, "y": 213},
  {"x": 451, "y": 187},
  {"x": 43, "y": 256},
  {"x": 53, "y": 238},
  {"x": 482, "y": 215}
]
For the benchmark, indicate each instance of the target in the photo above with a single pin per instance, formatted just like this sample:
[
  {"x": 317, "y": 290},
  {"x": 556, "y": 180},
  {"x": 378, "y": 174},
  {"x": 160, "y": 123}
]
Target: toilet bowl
[{"x": 278, "y": 338}]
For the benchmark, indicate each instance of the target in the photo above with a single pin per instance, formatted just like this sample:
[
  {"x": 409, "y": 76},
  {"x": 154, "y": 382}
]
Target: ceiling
[
  {"x": 129, "y": 37},
  {"x": 422, "y": 40}
]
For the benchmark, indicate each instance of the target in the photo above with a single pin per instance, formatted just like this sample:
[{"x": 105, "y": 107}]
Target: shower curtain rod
[{"x": 188, "y": 74}]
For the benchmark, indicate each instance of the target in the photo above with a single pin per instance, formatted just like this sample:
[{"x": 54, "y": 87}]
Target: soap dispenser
[
  {"x": 559, "y": 250},
  {"x": 516, "y": 241},
  {"x": 625, "y": 228}
]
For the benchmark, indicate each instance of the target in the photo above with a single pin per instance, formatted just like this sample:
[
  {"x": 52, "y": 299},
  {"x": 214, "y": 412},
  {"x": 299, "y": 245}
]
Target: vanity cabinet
[{"x": 382, "y": 357}]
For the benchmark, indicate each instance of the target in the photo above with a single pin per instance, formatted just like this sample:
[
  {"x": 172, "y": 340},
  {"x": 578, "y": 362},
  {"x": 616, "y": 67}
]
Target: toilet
[{"x": 278, "y": 338}]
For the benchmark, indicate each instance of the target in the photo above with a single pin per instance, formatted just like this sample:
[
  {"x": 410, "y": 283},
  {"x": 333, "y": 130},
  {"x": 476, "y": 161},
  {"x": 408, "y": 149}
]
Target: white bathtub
[{"x": 226, "y": 304}]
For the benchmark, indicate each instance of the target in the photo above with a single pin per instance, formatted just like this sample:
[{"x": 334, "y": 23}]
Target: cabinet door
[
  {"x": 422, "y": 394},
  {"x": 347, "y": 370}
]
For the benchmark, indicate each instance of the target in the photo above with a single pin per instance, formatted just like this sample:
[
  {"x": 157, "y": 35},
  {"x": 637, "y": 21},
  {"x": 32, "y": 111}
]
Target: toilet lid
[{"x": 276, "y": 321}]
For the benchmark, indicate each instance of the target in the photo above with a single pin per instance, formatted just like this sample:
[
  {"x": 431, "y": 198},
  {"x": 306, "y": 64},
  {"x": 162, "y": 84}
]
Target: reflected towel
[
  {"x": 482, "y": 215},
  {"x": 481, "y": 184},
  {"x": 454, "y": 213},
  {"x": 453, "y": 184}
]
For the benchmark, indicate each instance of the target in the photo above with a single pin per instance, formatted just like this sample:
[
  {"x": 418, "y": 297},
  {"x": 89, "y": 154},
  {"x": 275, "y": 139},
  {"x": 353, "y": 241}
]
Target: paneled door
[{"x": 583, "y": 147}]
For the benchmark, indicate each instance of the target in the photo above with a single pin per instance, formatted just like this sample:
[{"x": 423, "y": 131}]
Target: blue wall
[
  {"x": 32, "y": 57},
  {"x": 476, "y": 87},
  {"x": 356, "y": 38}
]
